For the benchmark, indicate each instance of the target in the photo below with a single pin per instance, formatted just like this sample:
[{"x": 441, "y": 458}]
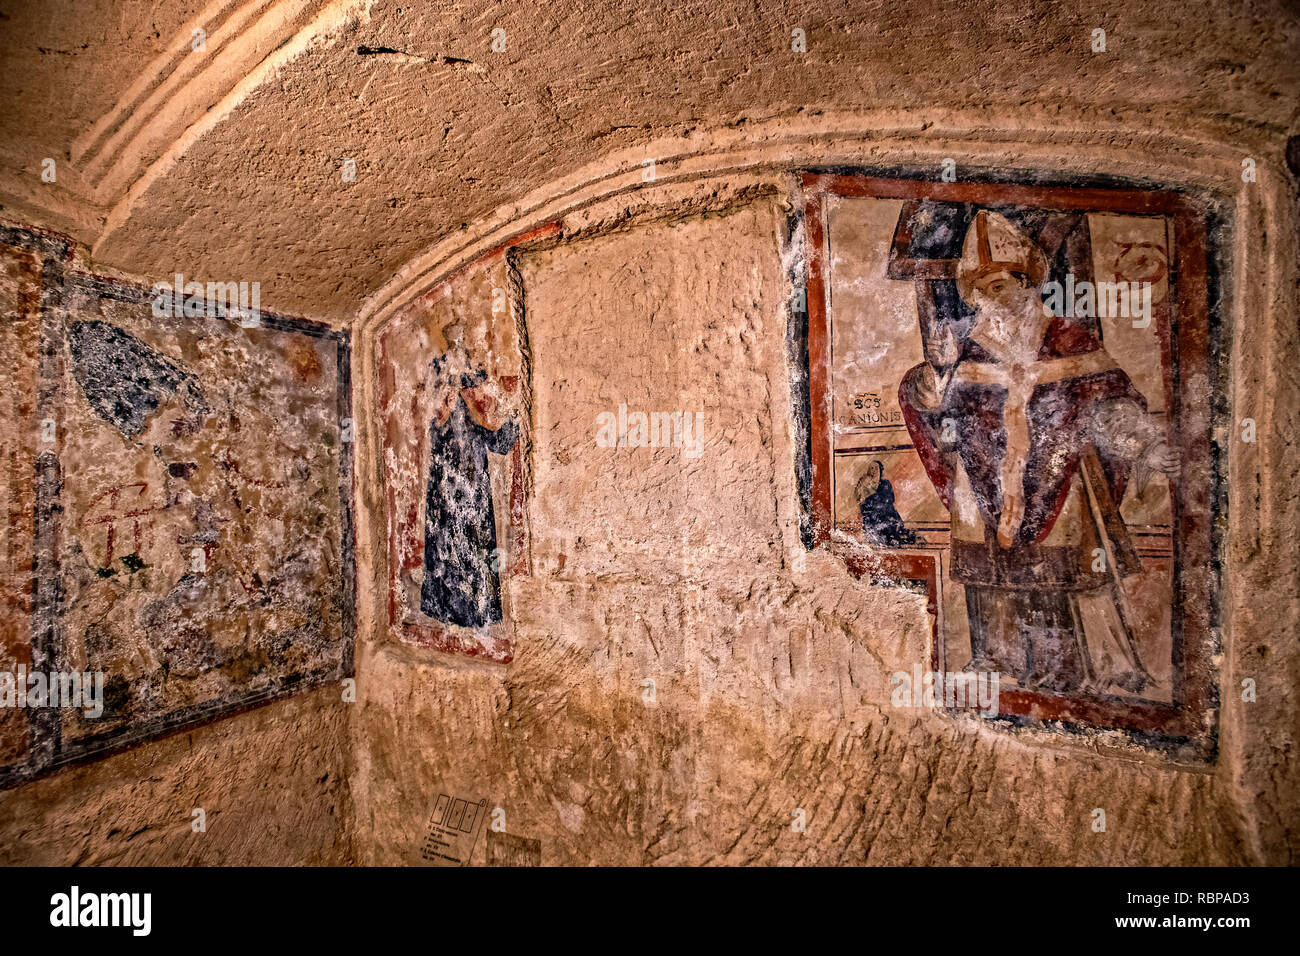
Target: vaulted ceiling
[{"x": 224, "y": 159}]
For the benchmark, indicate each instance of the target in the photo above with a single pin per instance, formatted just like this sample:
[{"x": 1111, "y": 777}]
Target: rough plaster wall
[
  {"x": 272, "y": 782},
  {"x": 49, "y": 45},
  {"x": 440, "y": 144},
  {"x": 771, "y": 685},
  {"x": 443, "y": 131},
  {"x": 610, "y": 329}
]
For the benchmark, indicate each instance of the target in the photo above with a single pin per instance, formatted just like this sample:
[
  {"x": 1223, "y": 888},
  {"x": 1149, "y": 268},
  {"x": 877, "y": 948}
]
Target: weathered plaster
[{"x": 771, "y": 685}]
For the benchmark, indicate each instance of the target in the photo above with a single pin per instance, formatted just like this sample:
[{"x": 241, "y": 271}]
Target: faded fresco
[
  {"x": 452, "y": 370},
  {"x": 194, "y": 502},
  {"x": 1004, "y": 404},
  {"x": 20, "y": 336}
]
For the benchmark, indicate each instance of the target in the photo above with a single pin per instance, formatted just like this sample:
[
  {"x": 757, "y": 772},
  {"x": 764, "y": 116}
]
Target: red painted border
[
  {"x": 1190, "y": 422},
  {"x": 451, "y": 640},
  {"x": 901, "y": 566}
]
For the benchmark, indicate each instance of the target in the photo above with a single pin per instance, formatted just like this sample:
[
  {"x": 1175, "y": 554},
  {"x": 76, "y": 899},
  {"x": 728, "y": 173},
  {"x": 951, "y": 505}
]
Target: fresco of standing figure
[{"x": 470, "y": 417}]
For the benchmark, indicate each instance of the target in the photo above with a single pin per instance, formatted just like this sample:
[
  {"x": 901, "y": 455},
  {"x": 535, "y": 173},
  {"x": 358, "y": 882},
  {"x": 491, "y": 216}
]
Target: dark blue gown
[
  {"x": 881, "y": 522},
  {"x": 461, "y": 585}
]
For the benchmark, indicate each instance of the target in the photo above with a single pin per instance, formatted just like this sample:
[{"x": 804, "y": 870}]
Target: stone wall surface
[
  {"x": 444, "y": 131},
  {"x": 770, "y": 666},
  {"x": 771, "y": 685},
  {"x": 272, "y": 782},
  {"x": 89, "y": 596}
]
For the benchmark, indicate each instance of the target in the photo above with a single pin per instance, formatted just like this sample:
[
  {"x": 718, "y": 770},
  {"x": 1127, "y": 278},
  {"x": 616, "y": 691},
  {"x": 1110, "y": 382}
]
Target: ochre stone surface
[
  {"x": 771, "y": 676},
  {"x": 439, "y": 143},
  {"x": 272, "y": 782},
  {"x": 771, "y": 685},
  {"x": 19, "y": 340}
]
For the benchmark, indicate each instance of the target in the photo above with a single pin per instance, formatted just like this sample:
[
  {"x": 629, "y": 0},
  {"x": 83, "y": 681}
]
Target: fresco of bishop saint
[{"x": 1030, "y": 432}]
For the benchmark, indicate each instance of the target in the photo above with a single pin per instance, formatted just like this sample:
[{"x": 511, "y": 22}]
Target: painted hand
[
  {"x": 1158, "y": 458},
  {"x": 444, "y": 402},
  {"x": 932, "y": 386}
]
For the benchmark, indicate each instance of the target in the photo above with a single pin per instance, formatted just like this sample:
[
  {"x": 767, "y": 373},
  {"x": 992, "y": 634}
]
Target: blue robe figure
[
  {"x": 881, "y": 522},
  {"x": 461, "y": 585}
]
